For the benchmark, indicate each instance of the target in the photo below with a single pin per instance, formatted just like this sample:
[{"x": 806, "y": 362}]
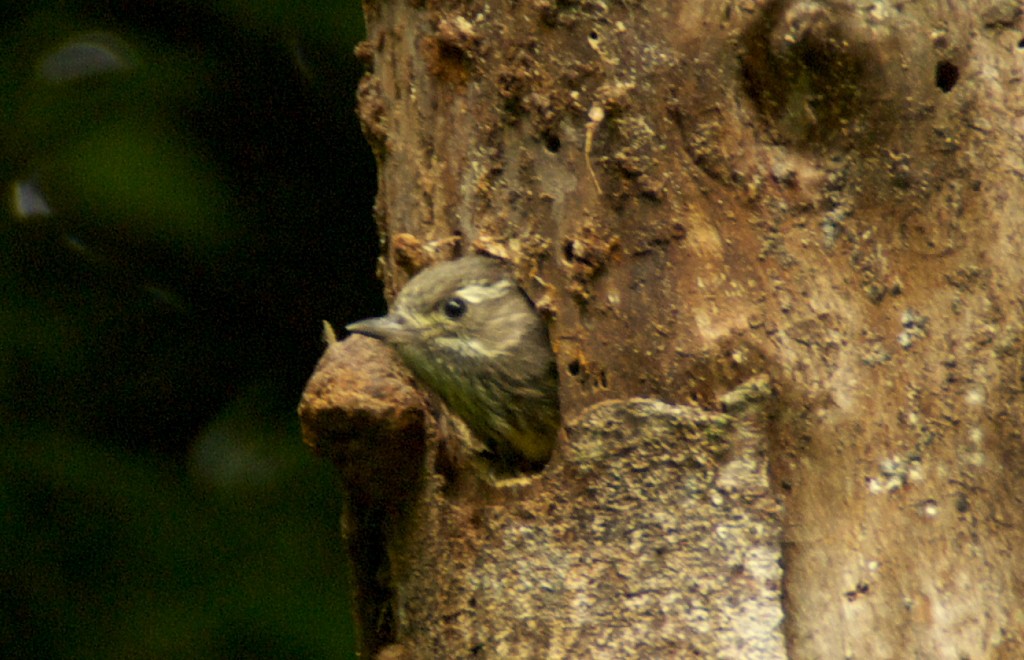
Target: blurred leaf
[
  {"x": 149, "y": 182},
  {"x": 28, "y": 200},
  {"x": 85, "y": 56}
]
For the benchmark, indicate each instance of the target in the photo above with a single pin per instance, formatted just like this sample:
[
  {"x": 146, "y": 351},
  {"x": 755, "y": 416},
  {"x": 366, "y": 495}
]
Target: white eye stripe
[
  {"x": 470, "y": 346},
  {"x": 477, "y": 293}
]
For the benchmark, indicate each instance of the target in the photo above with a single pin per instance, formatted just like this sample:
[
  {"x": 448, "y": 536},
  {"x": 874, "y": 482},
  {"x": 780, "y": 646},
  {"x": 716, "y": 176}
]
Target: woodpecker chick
[{"x": 470, "y": 334}]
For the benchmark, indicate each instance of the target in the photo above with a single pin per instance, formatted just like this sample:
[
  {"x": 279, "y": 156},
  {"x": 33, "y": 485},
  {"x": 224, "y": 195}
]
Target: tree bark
[{"x": 780, "y": 248}]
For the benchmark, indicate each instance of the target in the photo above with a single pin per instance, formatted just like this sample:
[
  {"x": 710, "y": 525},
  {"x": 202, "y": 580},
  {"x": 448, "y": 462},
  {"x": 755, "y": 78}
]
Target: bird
[{"x": 469, "y": 333}]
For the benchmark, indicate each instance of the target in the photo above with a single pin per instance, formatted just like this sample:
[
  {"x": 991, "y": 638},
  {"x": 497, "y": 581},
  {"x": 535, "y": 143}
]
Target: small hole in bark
[
  {"x": 552, "y": 143},
  {"x": 574, "y": 368},
  {"x": 1020, "y": 44},
  {"x": 569, "y": 251},
  {"x": 946, "y": 75}
]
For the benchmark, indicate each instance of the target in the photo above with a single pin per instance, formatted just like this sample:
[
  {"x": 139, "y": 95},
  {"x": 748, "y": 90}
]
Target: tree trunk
[{"x": 780, "y": 247}]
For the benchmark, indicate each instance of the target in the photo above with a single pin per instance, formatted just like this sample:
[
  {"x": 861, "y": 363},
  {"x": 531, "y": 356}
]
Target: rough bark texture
[{"x": 712, "y": 199}]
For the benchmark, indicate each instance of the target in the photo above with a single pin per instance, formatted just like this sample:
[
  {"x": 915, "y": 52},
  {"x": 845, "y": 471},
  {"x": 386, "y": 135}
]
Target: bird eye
[{"x": 454, "y": 307}]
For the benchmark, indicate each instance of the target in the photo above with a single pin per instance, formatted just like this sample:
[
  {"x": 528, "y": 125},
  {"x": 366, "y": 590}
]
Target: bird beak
[{"x": 389, "y": 328}]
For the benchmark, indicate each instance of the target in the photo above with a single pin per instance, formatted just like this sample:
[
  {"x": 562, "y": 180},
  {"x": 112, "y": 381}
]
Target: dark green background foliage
[{"x": 188, "y": 195}]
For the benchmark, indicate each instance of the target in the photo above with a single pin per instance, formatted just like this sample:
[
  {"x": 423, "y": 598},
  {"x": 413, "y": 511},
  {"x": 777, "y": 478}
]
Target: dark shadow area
[{"x": 188, "y": 196}]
